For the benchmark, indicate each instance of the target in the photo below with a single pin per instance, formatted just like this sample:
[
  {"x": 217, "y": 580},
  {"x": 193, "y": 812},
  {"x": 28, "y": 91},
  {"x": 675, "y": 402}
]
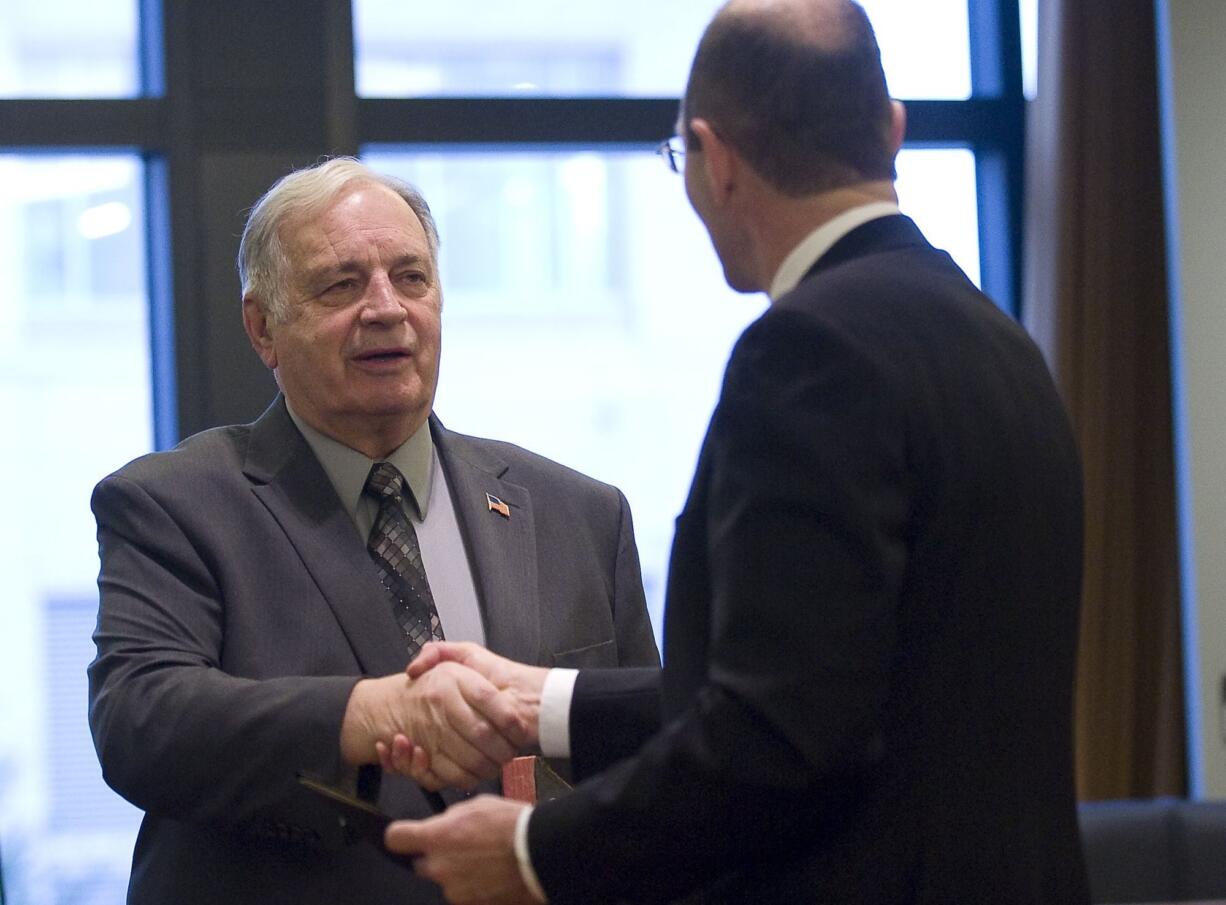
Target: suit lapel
[
  {"x": 288, "y": 479},
  {"x": 502, "y": 551}
]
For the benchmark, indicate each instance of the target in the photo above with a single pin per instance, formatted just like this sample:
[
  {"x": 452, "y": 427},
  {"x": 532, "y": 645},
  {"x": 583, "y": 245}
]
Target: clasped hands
[
  {"x": 455, "y": 716},
  {"x": 453, "y": 719}
]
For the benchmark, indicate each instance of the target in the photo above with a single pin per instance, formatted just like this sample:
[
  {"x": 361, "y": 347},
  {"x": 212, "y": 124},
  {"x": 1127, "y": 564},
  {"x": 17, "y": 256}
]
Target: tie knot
[{"x": 385, "y": 482}]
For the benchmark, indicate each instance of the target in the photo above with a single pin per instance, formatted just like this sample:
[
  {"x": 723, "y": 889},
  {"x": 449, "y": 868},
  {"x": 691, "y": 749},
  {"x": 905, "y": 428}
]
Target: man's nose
[{"x": 381, "y": 303}]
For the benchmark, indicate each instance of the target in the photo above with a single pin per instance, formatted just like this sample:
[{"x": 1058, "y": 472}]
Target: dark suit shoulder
[
  {"x": 529, "y": 469},
  {"x": 919, "y": 318},
  {"x": 881, "y": 279},
  {"x": 216, "y": 449},
  {"x": 910, "y": 295}
]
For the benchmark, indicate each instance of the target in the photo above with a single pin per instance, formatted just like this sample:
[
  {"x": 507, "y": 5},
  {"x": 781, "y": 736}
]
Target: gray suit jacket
[{"x": 238, "y": 608}]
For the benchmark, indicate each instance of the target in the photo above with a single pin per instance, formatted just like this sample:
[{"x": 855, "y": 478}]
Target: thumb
[
  {"x": 435, "y": 652},
  {"x": 428, "y": 657},
  {"x": 406, "y": 837}
]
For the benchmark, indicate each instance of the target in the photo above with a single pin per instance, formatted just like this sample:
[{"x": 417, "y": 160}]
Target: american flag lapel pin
[{"x": 497, "y": 505}]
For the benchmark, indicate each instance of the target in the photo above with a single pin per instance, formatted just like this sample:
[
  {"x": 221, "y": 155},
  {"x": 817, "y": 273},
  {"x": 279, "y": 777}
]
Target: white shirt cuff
[
  {"x": 523, "y": 858},
  {"x": 553, "y": 724}
]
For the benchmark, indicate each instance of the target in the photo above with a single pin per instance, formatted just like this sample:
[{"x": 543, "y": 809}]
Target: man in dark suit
[
  {"x": 247, "y": 633},
  {"x": 872, "y": 603}
]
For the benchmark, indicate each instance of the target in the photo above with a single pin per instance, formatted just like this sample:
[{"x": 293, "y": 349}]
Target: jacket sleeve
[
  {"x": 175, "y": 734},
  {"x": 636, "y": 643},
  {"x": 613, "y": 713}
]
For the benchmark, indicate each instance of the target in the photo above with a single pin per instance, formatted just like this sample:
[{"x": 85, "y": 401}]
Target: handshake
[{"x": 452, "y": 719}]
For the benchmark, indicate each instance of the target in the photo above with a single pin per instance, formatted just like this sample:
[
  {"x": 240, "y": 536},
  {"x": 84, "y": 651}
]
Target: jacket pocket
[{"x": 603, "y": 653}]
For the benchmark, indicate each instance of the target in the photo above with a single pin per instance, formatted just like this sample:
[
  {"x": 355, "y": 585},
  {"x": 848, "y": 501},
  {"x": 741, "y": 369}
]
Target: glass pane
[
  {"x": 936, "y": 188},
  {"x": 633, "y": 48},
  {"x": 594, "y": 270},
  {"x": 620, "y": 322},
  {"x": 1028, "y": 10},
  {"x": 69, "y": 48},
  {"x": 925, "y": 47},
  {"x": 74, "y": 389}
]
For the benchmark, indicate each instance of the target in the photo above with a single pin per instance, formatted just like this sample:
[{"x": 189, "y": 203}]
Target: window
[
  {"x": 635, "y": 48},
  {"x": 583, "y": 256},
  {"x": 529, "y": 126},
  {"x": 1029, "y": 10},
  {"x": 69, "y": 49},
  {"x": 925, "y": 47},
  {"x": 74, "y": 340},
  {"x": 619, "y": 323}
]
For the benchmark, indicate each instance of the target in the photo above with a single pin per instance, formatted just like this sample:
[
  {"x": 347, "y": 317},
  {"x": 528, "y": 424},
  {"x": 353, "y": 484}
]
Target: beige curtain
[{"x": 1095, "y": 299}]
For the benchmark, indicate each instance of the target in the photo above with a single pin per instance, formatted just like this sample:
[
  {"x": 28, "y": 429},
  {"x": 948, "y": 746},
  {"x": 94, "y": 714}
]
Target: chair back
[{"x": 1159, "y": 850}]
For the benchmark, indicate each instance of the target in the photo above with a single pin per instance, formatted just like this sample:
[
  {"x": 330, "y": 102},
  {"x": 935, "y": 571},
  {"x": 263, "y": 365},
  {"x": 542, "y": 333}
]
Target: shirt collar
[
  {"x": 801, "y": 258},
  {"x": 347, "y": 468}
]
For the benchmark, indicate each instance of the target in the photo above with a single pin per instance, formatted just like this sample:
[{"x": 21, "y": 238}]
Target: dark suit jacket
[
  {"x": 238, "y": 608},
  {"x": 870, "y": 623}
]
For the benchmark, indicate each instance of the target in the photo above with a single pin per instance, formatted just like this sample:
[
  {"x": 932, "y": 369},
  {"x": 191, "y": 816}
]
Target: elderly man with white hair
[{"x": 263, "y": 586}]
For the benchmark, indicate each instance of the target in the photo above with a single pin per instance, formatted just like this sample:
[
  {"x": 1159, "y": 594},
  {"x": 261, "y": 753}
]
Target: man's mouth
[{"x": 382, "y": 355}]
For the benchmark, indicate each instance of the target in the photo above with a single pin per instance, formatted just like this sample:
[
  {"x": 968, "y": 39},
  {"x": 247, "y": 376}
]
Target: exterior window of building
[
  {"x": 634, "y": 48},
  {"x": 74, "y": 380},
  {"x": 69, "y": 49}
]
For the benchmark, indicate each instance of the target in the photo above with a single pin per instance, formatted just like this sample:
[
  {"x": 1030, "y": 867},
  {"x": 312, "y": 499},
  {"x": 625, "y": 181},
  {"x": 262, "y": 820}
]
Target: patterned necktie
[{"x": 394, "y": 548}]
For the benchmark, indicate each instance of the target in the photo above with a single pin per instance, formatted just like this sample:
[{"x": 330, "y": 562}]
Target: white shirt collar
[{"x": 820, "y": 241}]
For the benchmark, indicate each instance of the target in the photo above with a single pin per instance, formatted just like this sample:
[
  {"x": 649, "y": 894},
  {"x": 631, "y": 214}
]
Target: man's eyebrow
[
  {"x": 323, "y": 272},
  {"x": 410, "y": 259}
]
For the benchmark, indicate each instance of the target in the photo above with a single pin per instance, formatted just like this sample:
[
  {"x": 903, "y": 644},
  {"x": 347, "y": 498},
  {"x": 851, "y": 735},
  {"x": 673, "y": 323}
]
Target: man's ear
[
  {"x": 256, "y": 323},
  {"x": 898, "y": 125},
  {"x": 719, "y": 163}
]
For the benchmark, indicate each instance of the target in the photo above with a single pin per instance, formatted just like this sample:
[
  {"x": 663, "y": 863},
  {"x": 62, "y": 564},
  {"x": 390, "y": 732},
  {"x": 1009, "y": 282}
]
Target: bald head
[
  {"x": 827, "y": 25},
  {"x": 796, "y": 87}
]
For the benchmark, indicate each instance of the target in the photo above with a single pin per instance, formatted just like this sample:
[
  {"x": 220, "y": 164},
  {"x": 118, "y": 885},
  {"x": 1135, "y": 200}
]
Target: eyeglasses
[{"x": 673, "y": 152}]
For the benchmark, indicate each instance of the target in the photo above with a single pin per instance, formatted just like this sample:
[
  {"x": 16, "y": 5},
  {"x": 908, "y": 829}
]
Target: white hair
[{"x": 262, "y": 263}]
